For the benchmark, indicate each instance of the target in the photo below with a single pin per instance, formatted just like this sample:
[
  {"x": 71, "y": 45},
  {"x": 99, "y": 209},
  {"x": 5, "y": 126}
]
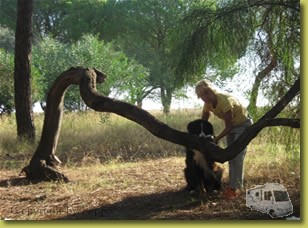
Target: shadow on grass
[
  {"x": 141, "y": 207},
  {"x": 22, "y": 181},
  {"x": 18, "y": 181},
  {"x": 171, "y": 205}
]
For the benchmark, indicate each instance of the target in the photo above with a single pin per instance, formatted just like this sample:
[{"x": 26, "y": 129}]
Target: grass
[
  {"x": 99, "y": 137},
  {"x": 118, "y": 170},
  {"x": 94, "y": 136}
]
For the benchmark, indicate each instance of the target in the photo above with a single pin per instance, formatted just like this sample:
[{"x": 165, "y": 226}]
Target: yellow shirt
[{"x": 225, "y": 102}]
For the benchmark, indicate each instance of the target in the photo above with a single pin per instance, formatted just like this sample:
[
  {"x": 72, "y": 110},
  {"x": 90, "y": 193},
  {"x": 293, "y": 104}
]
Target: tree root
[{"x": 43, "y": 172}]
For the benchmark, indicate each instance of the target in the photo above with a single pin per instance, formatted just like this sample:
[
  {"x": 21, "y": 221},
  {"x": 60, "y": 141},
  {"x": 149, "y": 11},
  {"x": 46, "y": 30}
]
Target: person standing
[{"x": 236, "y": 120}]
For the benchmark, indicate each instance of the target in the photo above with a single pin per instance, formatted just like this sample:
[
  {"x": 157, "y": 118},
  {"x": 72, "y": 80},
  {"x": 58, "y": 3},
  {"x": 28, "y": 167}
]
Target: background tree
[
  {"x": 8, "y": 13},
  {"x": 7, "y": 42},
  {"x": 148, "y": 36},
  {"x": 22, "y": 71},
  {"x": 6, "y": 82},
  {"x": 7, "y": 39},
  {"x": 221, "y": 33},
  {"x": 126, "y": 77},
  {"x": 144, "y": 30}
]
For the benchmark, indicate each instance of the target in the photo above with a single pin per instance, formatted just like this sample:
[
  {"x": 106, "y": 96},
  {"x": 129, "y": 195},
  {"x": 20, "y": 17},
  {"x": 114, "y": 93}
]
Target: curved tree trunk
[{"x": 42, "y": 163}]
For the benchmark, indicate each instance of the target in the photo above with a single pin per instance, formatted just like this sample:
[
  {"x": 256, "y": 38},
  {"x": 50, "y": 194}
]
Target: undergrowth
[{"x": 96, "y": 138}]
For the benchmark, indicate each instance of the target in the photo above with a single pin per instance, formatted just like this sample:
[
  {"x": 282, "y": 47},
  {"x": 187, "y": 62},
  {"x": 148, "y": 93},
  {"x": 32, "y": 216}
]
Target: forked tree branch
[{"x": 105, "y": 104}]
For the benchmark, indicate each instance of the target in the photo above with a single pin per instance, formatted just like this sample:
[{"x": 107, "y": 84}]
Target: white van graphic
[{"x": 271, "y": 198}]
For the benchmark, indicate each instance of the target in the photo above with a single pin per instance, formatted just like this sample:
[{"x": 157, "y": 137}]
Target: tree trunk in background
[
  {"x": 166, "y": 98},
  {"x": 252, "y": 107},
  {"x": 22, "y": 71}
]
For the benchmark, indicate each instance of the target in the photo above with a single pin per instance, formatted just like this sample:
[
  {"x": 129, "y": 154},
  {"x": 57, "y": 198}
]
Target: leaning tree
[{"x": 43, "y": 165}]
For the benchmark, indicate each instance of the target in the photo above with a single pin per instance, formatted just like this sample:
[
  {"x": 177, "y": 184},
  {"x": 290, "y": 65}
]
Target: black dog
[{"x": 201, "y": 173}]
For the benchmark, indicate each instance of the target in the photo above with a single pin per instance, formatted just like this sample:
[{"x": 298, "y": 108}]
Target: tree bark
[
  {"x": 42, "y": 163},
  {"x": 22, "y": 72},
  {"x": 166, "y": 98},
  {"x": 256, "y": 85}
]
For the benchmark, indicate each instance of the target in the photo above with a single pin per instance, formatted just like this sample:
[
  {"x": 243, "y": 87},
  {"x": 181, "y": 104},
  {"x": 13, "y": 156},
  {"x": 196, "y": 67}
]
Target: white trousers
[{"x": 236, "y": 165}]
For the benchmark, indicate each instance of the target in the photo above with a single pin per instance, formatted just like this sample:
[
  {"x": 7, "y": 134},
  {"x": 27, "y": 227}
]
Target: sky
[{"x": 237, "y": 87}]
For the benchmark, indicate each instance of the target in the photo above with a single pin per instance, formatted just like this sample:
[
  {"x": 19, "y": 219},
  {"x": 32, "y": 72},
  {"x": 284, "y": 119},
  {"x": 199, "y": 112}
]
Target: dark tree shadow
[
  {"x": 141, "y": 207},
  {"x": 169, "y": 205},
  {"x": 21, "y": 181},
  {"x": 17, "y": 181},
  {"x": 175, "y": 205},
  {"x": 172, "y": 205}
]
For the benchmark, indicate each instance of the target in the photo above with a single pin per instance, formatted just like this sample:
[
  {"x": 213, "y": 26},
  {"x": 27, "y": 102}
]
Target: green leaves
[
  {"x": 6, "y": 82},
  {"x": 52, "y": 57},
  {"x": 217, "y": 36}
]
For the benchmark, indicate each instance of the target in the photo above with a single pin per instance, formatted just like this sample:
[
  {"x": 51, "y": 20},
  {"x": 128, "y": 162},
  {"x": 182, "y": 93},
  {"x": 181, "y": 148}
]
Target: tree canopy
[
  {"x": 180, "y": 41},
  {"x": 219, "y": 34}
]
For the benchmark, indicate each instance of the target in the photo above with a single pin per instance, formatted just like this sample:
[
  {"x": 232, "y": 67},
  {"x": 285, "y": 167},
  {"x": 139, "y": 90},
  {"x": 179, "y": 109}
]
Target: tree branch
[
  {"x": 222, "y": 155},
  {"x": 284, "y": 101},
  {"x": 101, "y": 103},
  {"x": 104, "y": 104}
]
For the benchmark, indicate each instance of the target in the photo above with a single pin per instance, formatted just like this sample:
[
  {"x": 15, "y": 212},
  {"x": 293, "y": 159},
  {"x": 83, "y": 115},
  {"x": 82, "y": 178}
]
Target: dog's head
[{"x": 200, "y": 127}]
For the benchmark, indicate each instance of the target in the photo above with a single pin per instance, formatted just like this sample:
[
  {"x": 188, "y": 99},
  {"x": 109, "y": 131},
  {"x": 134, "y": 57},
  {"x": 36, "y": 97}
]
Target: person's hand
[{"x": 216, "y": 139}]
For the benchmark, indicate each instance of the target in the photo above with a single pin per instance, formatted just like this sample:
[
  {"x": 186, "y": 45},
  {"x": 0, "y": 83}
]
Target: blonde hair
[{"x": 203, "y": 86}]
